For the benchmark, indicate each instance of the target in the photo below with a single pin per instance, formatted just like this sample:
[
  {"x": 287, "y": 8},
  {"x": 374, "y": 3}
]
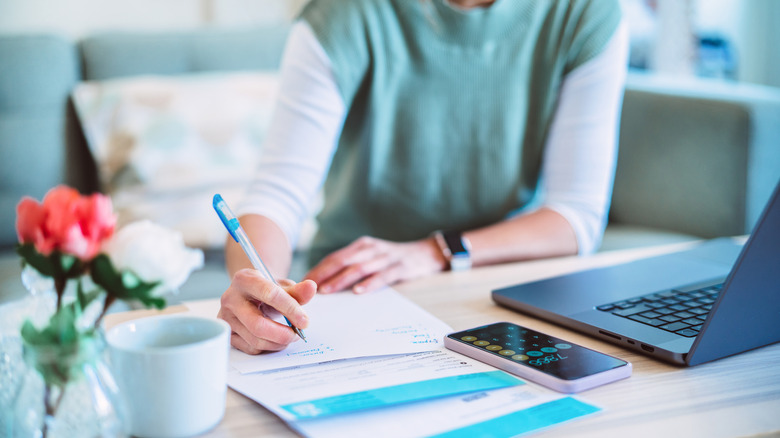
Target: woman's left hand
[{"x": 369, "y": 264}]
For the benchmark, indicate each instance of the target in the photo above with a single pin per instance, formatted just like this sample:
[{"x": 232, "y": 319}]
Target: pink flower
[{"x": 66, "y": 222}]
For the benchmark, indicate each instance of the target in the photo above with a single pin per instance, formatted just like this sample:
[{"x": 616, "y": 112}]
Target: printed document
[
  {"x": 375, "y": 365},
  {"x": 345, "y": 386}
]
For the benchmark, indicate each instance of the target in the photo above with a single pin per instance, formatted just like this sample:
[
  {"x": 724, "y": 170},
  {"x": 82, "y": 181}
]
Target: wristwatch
[{"x": 456, "y": 249}]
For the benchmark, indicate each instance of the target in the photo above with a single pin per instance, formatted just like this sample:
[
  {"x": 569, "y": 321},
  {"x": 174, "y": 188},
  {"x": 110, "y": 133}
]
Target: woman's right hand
[{"x": 250, "y": 303}]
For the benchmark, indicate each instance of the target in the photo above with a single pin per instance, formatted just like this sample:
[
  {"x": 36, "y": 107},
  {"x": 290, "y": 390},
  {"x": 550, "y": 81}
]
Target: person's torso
[{"x": 448, "y": 111}]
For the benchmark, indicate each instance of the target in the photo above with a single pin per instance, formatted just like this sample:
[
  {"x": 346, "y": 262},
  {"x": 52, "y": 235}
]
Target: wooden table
[{"x": 736, "y": 396}]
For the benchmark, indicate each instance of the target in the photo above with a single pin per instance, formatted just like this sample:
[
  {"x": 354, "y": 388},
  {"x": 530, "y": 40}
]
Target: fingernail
[
  {"x": 359, "y": 289},
  {"x": 324, "y": 289}
]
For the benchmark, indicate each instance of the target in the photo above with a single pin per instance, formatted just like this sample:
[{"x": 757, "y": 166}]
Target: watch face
[{"x": 460, "y": 262}]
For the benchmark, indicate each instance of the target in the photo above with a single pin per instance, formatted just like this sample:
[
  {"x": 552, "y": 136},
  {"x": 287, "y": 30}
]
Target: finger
[
  {"x": 379, "y": 280},
  {"x": 358, "y": 251},
  {"x": 266, "y": 329},
  {"x": 284, "y": 303},
  {"x": 241, "y": 344},
  {"x": 240, "y": 337},
  {"x": 258, "y": 289},
  {"x": 258, "y": 330},
  {"x": 352, "y": 274},
  {"x": 285, "y": 282},
  {"x": 303, "y": 292}
]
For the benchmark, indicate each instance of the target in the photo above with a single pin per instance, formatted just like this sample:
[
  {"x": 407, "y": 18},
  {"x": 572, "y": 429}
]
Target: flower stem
[
  {"x": 59, "y": 286},
  {"x": 109, "y": 301},
  {"x": 51, "y": 408}
]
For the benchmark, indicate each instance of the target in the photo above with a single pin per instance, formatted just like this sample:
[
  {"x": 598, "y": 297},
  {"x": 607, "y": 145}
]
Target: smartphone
[{"x": 549, "y": 361}]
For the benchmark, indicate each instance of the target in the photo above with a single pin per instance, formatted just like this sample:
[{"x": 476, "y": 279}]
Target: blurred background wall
[
  {"x": 76, "y": 18},
  {"x": 729, "y": 39},
  {"x": 733, "y": 39}
]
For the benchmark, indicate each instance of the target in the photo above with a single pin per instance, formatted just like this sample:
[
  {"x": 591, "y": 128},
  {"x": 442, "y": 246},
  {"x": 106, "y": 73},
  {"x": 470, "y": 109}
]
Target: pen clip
[{"x": 226, "y": 215}]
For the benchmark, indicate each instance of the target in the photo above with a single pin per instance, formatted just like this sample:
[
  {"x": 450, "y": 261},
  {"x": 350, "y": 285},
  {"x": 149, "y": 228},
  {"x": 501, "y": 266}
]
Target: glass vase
[
  {"x": 37, "y": 306},
  {"x": 68, "y": 391}
]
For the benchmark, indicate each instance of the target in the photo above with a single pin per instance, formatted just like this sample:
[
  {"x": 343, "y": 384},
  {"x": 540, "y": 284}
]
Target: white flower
[{"x": 153, "y": 253}]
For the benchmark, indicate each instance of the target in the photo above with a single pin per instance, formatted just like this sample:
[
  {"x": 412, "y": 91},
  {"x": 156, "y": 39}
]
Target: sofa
[{"x": 697, "y": 158}]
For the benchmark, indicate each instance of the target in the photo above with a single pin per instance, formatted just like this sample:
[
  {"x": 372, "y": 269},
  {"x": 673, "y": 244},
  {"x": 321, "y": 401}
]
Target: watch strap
[{"x": 455, "y": 248}]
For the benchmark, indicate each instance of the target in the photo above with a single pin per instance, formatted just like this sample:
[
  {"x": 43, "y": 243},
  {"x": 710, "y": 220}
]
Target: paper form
[{"x": 346, "y": 386}]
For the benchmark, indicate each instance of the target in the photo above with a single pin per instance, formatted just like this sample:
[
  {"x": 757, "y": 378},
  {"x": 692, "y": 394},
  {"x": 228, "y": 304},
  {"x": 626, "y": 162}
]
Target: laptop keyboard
[{"x": 681, "y": 312}]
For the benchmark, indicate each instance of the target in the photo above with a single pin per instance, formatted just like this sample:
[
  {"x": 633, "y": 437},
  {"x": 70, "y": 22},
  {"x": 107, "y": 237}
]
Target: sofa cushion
[
  {"x": 698, "y": 160},
  {"x": 117, "y": 54},
  {"x": 37, "y": 73},
  {"x": 696, "y": 156}
]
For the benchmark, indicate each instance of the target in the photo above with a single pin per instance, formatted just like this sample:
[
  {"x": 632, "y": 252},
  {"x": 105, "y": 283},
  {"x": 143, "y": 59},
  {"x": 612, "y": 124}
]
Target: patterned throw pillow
[{"x": 165, "y": 144}]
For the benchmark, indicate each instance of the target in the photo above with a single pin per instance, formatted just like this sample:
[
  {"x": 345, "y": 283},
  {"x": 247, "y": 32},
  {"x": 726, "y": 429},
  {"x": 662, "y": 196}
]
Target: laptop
[{"x": 715, "y": 300}]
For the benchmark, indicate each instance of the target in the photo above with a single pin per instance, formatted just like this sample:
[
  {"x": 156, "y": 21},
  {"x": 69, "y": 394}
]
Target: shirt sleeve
[
  {"x": 578, "y": 166},
  {"x": 301, "y": 138}
]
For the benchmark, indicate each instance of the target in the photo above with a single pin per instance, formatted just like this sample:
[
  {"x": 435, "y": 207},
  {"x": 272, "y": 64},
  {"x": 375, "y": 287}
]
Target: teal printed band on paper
[
  {"x": 405, "y": 393},
  {"x": 527, "y": 420}
]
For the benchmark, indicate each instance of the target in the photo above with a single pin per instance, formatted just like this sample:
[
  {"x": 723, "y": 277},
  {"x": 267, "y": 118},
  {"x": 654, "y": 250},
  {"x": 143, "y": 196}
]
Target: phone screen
[{"x": 537, "y": 350}]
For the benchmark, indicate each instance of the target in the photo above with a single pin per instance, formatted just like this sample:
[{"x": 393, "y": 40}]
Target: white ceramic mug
[{"x": 172, "y": 371}]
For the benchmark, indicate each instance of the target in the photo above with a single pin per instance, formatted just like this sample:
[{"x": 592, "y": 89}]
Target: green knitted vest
[{"x": 448, "y": 110}]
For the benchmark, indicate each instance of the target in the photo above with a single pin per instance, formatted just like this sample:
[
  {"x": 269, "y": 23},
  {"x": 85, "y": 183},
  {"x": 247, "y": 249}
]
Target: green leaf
[
  {"x": 86, "y": 298},
  {"x": 33, "y": 336},
  {"x": 104, "y": 275},
  {"x": 60, "y": 347},
  {"x": 61, "y": 329},
  {"x": 44, "y": 265},
  {"x": 70, "y": 266},
  {"x": 130, "y": 280},
  {"x": 142, "y": 293},
  {"x": 55, "y": 265},
  {"x": 58, "y": 361},
  {"x": 123, "y": 285},
  {"x": 64, "y": 322}
]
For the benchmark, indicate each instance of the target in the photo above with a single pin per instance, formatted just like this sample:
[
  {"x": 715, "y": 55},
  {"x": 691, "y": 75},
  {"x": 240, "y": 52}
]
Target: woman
[{"x": 494, "y": 120}]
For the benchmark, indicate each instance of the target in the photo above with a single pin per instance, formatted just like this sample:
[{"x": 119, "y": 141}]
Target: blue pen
[{"x": 234, "y": 228}]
